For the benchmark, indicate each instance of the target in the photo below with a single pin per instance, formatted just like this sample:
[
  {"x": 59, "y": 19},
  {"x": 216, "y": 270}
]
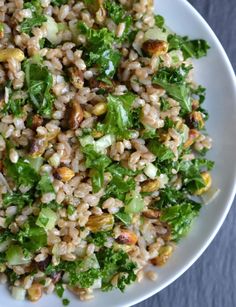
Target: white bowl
[{"x": 216, "y": 74}]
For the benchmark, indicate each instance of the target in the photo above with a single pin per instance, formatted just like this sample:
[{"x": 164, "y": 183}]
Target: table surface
[{"x": 211, "y": 281}]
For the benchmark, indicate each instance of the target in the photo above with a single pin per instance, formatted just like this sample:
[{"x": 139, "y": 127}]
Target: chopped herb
[
  {"x": 99, "y": 51},
  {"x": 65, "y": 302},
  {"x": 59, "y": 289},
  {"x": 179, "y": 218}
]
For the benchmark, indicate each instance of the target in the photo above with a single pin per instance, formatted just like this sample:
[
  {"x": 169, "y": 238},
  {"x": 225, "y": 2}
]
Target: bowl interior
[{"x": 216, "y": 74}]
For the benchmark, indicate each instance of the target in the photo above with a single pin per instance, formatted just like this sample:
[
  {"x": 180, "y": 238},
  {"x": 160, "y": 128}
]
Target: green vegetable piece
[
  {"x": 39, "y": 83},
  {"x": 32, "y": 237},
  {"x": 98, "y": 163},
  {"x": 21, "y": 172},
  {"x": 179, "y": 218},
  {"x": 160, "y": 150},
  {"x": 47, "y": 219},
  {"x": 35, "y": 163},
  {"x": 17, "y": 199},
  {"x": 134, "y": 203},
  {"x": 15, "y": 256},
  {"x": 159, "y": 21},
  {"x": 118, "y": 120},
  {"x": 112, "y": 262},
  {"x": 191, "y": 48},
  {"x": 124, "y": 217},
  {"x": 45, "y": 185},
  {"x": 173, "y": 80}
]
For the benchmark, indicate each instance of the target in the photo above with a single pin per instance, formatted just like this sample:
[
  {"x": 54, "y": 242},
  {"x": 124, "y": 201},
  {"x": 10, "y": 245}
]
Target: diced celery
[
  {"x": 18, "y": 293},
  {"x": 156, "y": 33},
  {"x": 15, "y": 256},
  {"x": 135, "y": 203},
  {"x": 87, "y": 140},
  {"x": 150, "y": 170},
  {"x": 104, "y": 142},
  {"x": 35, "y": 163},
  {"x": 46, "y": 219}
]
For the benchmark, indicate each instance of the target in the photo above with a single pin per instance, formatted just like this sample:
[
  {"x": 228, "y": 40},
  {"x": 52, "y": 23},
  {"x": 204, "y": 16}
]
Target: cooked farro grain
[{"x": 101, "y": 124}]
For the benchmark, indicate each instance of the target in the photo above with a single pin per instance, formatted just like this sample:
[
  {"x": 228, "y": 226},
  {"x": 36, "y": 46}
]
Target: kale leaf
[
  {"x": 179, "y": 218},
  {"x": 21, "y": 172},
  {"x": 17, "y": 199},
  {"x": 118, "y": 120},
  {"x": 39, "y": 84},
  {"x": 173, "y": 80},
  {"x": 98, "y": 163},
  {"x": 58, "y": 2},
  {"x": 177, "y": 210},
  {"x": 118, "y": 14},
  {"x": 160, "y": 150},
  {"x": 37, "y": 18},
  {"x": 118, "y": 187},
  {"x": 99, "y": 51},
  {"x": 191, "y": 48},
  {"x": 113, "y": 262}
]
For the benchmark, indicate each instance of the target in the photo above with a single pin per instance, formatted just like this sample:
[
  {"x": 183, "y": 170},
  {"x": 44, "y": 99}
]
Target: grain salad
[{"x": 102, "y": 144}]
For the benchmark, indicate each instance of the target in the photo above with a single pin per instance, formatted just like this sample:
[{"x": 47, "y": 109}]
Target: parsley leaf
[
  {"x": 118, "y": 120},
  {"x": 173, "y": 80},
  {"x": 39, "y": 83},
  {"x": 191, "y": 48}
]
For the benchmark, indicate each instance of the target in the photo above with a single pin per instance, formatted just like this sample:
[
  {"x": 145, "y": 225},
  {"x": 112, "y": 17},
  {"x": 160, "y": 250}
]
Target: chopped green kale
[
  {"x": 191, "y": 48},
  {"x": 39, "y": 84},
  {"x": 118, "y": 120}
]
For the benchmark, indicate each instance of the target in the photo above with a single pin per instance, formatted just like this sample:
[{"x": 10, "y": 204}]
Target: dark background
[{"x": 211, "y": 281}]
